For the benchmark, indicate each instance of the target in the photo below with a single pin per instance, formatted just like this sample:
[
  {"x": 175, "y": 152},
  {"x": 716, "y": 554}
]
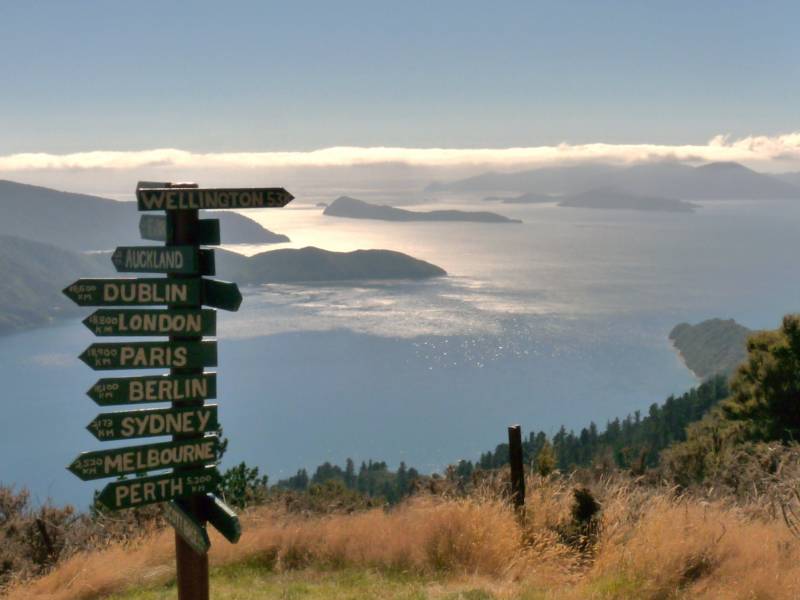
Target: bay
[{"x": 563, "y": 319}]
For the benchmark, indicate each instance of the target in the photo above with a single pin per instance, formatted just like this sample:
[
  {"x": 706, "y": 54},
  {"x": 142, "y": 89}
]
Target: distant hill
[
  {"x": 715, "y": 346},
  {"x": 316, "y": 265},
  {"x": 714, "y": 181},
  {"x": 31, "y": 278},
  {"x": 351, "y": 208},
  {"x": 81, "y": 222},
  {"x": 527, "y": 198},
  {"x": 616, "y": 199}
]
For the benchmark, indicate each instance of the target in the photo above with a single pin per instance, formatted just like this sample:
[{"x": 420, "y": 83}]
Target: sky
[{"x": 214, "y": 78}]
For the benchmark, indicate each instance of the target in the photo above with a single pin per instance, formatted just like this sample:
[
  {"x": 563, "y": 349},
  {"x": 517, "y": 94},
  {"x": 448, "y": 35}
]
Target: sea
[{"x": 562, "y": 319}]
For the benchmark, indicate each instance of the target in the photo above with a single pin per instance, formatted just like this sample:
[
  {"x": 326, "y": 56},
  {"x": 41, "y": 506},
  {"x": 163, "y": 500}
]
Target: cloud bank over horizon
[{"x": 768, "y": 152}]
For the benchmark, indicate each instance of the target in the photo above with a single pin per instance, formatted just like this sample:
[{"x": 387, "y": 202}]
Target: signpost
[
  {"x": 192, "y": 532},
  {"x": 150, "y": 355},
  {"x": 153, "y": 227},
  {"x": 158, "y": 388},
  {"x": 150, "y": 457},
  {"x": 134, "y": 292},
  {"x": 140, "y": 491},
  {"x": 146, "y": 322},
  {"x": 211, "y": 198},
  {"x": 187, "y": 491},
  {"x": 185, "y": 260},
  {"x": 154, "y": 422}
]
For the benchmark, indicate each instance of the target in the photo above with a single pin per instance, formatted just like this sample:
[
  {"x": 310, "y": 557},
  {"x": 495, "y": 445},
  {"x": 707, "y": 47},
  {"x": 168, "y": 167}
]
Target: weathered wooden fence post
[{"x": 517, "y": 470}]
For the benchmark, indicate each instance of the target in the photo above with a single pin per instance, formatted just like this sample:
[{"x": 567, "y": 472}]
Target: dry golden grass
[{"x": 650, "y": 545}]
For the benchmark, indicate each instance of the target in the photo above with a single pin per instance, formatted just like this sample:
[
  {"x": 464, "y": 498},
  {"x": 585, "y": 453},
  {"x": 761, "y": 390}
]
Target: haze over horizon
[{"x": 261, "y": 90}]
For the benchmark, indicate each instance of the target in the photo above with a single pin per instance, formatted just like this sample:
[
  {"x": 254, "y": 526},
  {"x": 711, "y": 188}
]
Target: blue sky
[{"x": 258, "y": 76}]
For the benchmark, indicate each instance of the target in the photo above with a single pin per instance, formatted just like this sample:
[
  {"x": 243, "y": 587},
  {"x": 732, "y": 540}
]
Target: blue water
[{"x": 563, "y": 319}]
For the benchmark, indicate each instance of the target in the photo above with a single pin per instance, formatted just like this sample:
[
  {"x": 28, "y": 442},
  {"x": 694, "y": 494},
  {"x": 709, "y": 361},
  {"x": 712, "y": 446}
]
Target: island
[
  {"x": 713, "y": 347},
  {"x": 351, "y": 208},
  {"x": 316, "y": 265},
  {"x": 528, "y": 198},
  {"x": 616, "y": 199}
]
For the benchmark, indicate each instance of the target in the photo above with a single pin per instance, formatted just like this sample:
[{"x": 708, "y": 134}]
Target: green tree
[
  {"x": 765, "y": 396},
  {"x": 242, "y": 486},
  {"x": 546, "y": 459}
]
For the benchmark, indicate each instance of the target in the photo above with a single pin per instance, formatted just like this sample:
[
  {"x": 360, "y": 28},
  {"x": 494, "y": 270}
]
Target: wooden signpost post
[{"x": 187, "y": 491}]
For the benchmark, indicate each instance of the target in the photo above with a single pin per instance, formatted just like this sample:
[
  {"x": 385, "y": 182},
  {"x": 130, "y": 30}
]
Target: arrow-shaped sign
[
  {"x": 150, "y": 457},
  {"x": 222, "y": 517},
  {"x": 221, "y": 294},
  {"x": 194, "y": 420},
  {"x": 186, "y": 260},
  {"x": 154, "y": 227},
  {"x": 150, "y": 355},
  {"x": 211, "y": 198},
  {"x": 132, "y": 493},
  {"x": 187, "y": 526},
  {"x": 135, "y": 292},
  {"x": 120, "y": 322},
  {"x": 157, "y": 388}
]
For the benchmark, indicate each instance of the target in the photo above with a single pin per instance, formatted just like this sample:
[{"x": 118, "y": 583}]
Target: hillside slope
[
  {"x": 713, "y": 181},
  {"x": 31, "y": 278},
  {"x": 715, "y": 346},
  {"x": 83, "y": 223}
]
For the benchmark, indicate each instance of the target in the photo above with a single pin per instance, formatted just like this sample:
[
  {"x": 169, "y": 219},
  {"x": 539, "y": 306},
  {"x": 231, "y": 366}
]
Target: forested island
[
  {"x": 351, "y": 208},
  {"x": 715, "y": 346},
  {"x": 617, "y": 199},
  {"x": 311, "y": 264}
]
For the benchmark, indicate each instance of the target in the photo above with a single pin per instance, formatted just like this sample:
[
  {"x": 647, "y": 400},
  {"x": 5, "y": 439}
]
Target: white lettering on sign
[
  {"x": 149, "y": 323},
  {"x": 154, "y": 356},
  {"x": 148, "y": 458},
  {"x": 157, "y": 259},
  {"x": 145, "y": 292},
  {"x": 134, "y": 493},
  {"x": 194, "y": 421},
  {"x": 151, "y": 390},
  {"x": 177, "y": 199}
]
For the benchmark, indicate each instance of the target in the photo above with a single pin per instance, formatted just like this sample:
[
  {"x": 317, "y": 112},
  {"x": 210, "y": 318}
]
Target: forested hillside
[
  {"x": 33, "y": 275},
  {"x": 715, "y": 346}
]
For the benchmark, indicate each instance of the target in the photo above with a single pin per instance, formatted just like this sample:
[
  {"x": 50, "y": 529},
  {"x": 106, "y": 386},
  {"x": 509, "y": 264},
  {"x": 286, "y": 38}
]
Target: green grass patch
[{"x": 249, "y": 581}]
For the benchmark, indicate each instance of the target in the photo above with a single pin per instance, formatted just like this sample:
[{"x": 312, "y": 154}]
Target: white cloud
[{"x": 752, "y": 150}]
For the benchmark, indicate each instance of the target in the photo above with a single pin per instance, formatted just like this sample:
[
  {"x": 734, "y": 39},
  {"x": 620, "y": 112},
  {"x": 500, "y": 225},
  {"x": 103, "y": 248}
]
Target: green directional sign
[
  {"x": 194, "y": 420},
  {"x": 150, "y": 457},
  {"x": 187, "y": 526},
  {"x": 222, "y": 517},
  {"x": 144, "y": 322},
  {"x": 150, "y": 355},
  {"x": 158, "y": 388},
  {"x": 154, "y": 227},
  {"x": 139, "y": 491},
  {"x": 187, "y": 260},
  {"x": 135, "y": 292},
  {"x": 221, "y": 294},
  {"x": 211, "y": 198}
]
